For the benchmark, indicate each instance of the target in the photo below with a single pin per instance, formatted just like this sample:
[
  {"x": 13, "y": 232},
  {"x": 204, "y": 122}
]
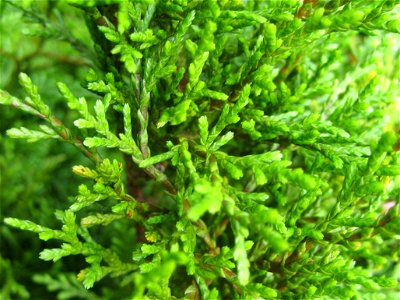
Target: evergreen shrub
[{"x": 228, "y": 149}]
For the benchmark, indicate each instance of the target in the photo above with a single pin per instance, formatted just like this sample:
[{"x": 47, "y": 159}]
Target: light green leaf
[
  {"x": 195, "y": 69},
  {"x": 223, "y": 140},
  {"x": 206, "y": 197},
  {"x": 127, "y": 119},
  {"x": 203, "y": 127},
  {"x": 99, "y": 219},
  {"x": 58, "y": 253},
  {"x": 33, "y": 135},
  {"x": 83, "y": 123},
  {"x": 175, "y": 115},
  {"x": 214, "y": 95},
  {"x": 233, "y": 170},
  {"x": 156, "y": 159},
  {"x": 110, "y": 34}
]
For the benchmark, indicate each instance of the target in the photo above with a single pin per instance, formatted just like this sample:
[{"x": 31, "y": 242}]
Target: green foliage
[{"x": 224, "y": 149}]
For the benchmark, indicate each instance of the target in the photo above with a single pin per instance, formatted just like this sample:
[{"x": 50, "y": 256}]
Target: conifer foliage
[{"x": 235, "y": 149}]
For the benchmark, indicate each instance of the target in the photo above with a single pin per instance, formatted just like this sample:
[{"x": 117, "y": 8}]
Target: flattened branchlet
[{"x": 235, "y": 149}]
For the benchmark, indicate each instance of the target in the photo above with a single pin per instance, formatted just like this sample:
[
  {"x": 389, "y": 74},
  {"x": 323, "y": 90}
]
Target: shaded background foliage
[{"x": 36, "y": 179}]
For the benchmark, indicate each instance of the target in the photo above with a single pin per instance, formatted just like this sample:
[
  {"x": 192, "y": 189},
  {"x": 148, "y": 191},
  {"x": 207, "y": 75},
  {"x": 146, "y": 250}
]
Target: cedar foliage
[{"x": 234, "y": 149}]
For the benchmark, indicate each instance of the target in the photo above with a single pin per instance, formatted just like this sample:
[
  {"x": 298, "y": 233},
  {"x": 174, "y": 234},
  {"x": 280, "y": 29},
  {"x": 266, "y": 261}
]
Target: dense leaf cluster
[{"x": 236, "y": 149}]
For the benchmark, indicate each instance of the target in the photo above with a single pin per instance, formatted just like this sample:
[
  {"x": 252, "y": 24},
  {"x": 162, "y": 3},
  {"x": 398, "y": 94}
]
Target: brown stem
[
  {"x": 160, "y": 177},
  {"x": 134, "y": 176}
]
